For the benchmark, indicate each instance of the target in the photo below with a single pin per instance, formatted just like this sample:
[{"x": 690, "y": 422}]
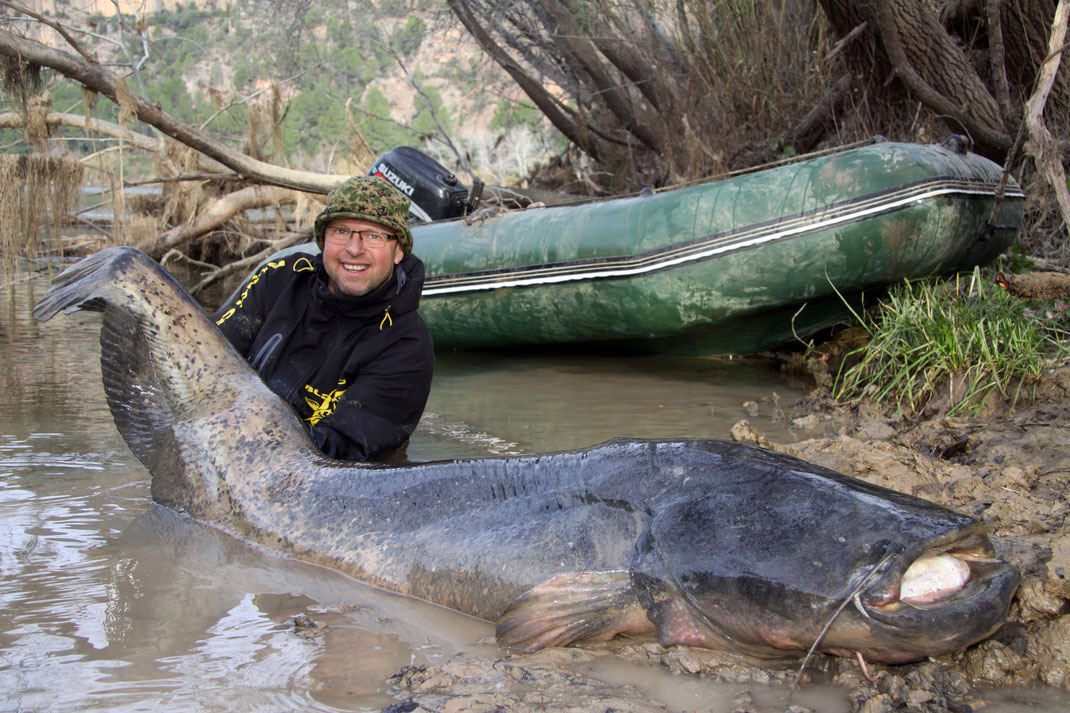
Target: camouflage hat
[{"x": 367, "y": 198}]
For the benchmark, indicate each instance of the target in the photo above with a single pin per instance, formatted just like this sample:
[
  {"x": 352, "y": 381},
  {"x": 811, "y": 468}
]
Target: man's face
[{"x": 354, "y": 268}]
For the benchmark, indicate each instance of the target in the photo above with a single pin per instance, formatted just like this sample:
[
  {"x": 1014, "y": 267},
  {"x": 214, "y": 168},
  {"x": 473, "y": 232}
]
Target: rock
[
  {"x": 880, "y": 703},
  {"x": 307, "y": 627},
  {"x": 808, "y": 422},
  {"x": 1014, "y": 478},
  {"x": 1053, "y": 653},
  {"x": 992, "y": 662},
  {"x": 743, "y": 432},
  {"x": 875, "y": 431},
  {"x": 917, "y": 697},
  {"x": 894, "y": 686},
  {"x": 965, "y": 488},
  {"x": 1036, "y": 602},
  {"x": 1058, "y": 568},
  {"x": 403, "y": 707}
]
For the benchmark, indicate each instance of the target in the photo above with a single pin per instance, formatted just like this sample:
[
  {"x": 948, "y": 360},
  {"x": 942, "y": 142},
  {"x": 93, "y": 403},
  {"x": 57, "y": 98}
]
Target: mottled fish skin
[{"x": 703, "y": 542}]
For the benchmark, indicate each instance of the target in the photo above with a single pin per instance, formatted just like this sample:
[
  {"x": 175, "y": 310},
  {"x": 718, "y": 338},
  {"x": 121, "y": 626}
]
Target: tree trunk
[
  {"x": 1025, "y": 25},
  {"x": 910, "y": 41},
  {"x": 544, "y": 100}
]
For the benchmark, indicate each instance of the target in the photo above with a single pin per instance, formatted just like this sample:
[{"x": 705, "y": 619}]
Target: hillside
[{"x": 275, "y": 78}]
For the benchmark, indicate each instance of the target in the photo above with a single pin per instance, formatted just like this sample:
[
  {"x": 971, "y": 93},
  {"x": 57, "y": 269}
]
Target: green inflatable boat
[{"x": 731, "y": 266}]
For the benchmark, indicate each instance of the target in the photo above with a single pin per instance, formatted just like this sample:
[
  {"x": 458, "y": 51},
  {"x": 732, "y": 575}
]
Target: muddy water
[{"x": 110, "y": 603}]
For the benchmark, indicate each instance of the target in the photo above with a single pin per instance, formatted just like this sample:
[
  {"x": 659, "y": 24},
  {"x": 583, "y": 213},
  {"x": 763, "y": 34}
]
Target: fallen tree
[{"x": 218, "y": 213}]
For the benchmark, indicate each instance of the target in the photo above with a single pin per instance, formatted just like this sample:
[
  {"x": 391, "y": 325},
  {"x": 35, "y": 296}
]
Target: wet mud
[{"x": 1009, "y": 467}]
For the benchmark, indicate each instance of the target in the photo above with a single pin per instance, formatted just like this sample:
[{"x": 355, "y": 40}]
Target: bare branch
[
  {"x": 608, "y": 89},
  {"x": 288, "y": 240},
  {"x": 19, "y": 7},
  {"x": 808, "y": 132},
  {"x": 444, "y": 135},
  {"x": 258, "y": 92},
  {"x": 12, "y": 120},
  {"x": 104, "y": 82},
  {"x": 1041, "y": 145},
  {"x": 534, "y": 89},
  {"x": 217, "y": 213}
]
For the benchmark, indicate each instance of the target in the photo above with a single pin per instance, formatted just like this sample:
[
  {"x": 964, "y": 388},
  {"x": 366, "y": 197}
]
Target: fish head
[{"x": 784, "y": 555}]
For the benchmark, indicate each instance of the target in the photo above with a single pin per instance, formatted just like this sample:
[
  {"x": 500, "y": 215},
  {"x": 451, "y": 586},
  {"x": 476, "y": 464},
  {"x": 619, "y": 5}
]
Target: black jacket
[{"x": 357, "y": 369}]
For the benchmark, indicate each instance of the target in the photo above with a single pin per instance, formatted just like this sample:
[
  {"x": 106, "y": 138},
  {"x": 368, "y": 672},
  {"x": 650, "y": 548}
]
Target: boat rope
[{"x": 770, "y": 164}]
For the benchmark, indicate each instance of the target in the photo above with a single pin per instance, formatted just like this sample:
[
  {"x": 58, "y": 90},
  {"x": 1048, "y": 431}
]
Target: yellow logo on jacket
[
  {"x": 322, "y": 404},
  {"x": 245, "y": 293}
]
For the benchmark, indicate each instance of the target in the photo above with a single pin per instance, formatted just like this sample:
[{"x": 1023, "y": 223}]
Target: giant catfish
[{"x": 702, "y": 542}]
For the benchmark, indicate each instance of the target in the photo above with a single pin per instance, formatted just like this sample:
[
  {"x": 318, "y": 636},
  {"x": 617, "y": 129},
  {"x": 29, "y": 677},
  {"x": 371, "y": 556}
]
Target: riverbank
[{"x": 1009, "y": 468}]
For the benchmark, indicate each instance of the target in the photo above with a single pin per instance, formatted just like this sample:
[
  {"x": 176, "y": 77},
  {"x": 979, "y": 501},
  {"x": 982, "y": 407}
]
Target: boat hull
[{"x": 728, "y": 267}]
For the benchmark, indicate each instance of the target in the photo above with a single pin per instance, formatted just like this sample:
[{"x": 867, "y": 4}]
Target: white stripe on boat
[{"x": 744, "y": 238}]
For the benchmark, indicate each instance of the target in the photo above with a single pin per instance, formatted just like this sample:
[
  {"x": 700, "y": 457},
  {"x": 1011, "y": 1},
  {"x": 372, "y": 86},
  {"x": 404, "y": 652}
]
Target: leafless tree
[{"x": 661, "y": 91}]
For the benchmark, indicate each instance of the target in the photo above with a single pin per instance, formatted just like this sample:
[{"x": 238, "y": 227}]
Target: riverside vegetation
[{"x": 957, "y": 345}]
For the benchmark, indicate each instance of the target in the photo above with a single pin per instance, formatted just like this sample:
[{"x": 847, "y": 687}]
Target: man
[{"x": 337, "y": 335}]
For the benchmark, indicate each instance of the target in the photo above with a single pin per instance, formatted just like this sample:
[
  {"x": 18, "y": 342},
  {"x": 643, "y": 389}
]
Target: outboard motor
[{"x": 434, "y": 193}]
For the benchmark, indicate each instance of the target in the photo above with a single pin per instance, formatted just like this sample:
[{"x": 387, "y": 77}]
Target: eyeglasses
[{"x": 371, "y": 239}]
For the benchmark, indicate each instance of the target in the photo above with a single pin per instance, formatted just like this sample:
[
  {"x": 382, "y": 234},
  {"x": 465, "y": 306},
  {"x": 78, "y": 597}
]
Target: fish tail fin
[
  {"x": 78, "y": 287},
  {"x": 164, "y": 363},
  {"x": 573, "y": 608}
]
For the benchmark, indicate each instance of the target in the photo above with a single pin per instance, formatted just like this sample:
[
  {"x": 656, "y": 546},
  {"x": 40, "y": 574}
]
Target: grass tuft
[{"x": 951, "y": 345}]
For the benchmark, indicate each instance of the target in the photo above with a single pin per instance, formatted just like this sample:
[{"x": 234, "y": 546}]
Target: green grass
[{"x": 952, "y": 345}]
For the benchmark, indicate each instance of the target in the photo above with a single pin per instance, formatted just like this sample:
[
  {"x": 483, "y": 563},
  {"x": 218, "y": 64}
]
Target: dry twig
[{"x": 1041, "y": 145}]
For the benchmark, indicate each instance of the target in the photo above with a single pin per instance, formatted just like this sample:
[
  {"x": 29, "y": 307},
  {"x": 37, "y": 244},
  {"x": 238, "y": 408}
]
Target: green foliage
[
  {"x": 961, "y": 339},
  {"x": 411, "y": 35},
  {"x": 185, "y": 19},
  {"x": 509, "y": 114},
  {"x": 65, "y": 96},
  {"x": 393, "y": 8},
  {"x": 381, "y": 132},
  {"x": 1016, "y": 261},
  {"x": 174, "y": 98},
  {"x": 431, "y": 106},
  {"x": 340, "y": 34},
  {"x": 316, "y": 118}
]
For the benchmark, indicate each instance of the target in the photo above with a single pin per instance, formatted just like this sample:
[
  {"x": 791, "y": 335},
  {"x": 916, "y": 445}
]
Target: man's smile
[{"x": 352, "y": 267}]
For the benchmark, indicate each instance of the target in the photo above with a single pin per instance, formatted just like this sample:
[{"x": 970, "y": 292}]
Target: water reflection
[
  {"x": 532, "y": 403},
  {"x": 110, "y": 603}
]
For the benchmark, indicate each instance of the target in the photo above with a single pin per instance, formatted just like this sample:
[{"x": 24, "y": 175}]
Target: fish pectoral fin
[{"x": 573, "y": 607}]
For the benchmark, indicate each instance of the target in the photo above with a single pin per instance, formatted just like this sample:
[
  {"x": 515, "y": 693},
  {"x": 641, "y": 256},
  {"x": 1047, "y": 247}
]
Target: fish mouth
[{"x": 944, "y": 599}]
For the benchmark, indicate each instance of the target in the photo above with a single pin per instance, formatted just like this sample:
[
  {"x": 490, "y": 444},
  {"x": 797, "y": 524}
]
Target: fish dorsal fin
[{"x": 572, "y": 608}]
